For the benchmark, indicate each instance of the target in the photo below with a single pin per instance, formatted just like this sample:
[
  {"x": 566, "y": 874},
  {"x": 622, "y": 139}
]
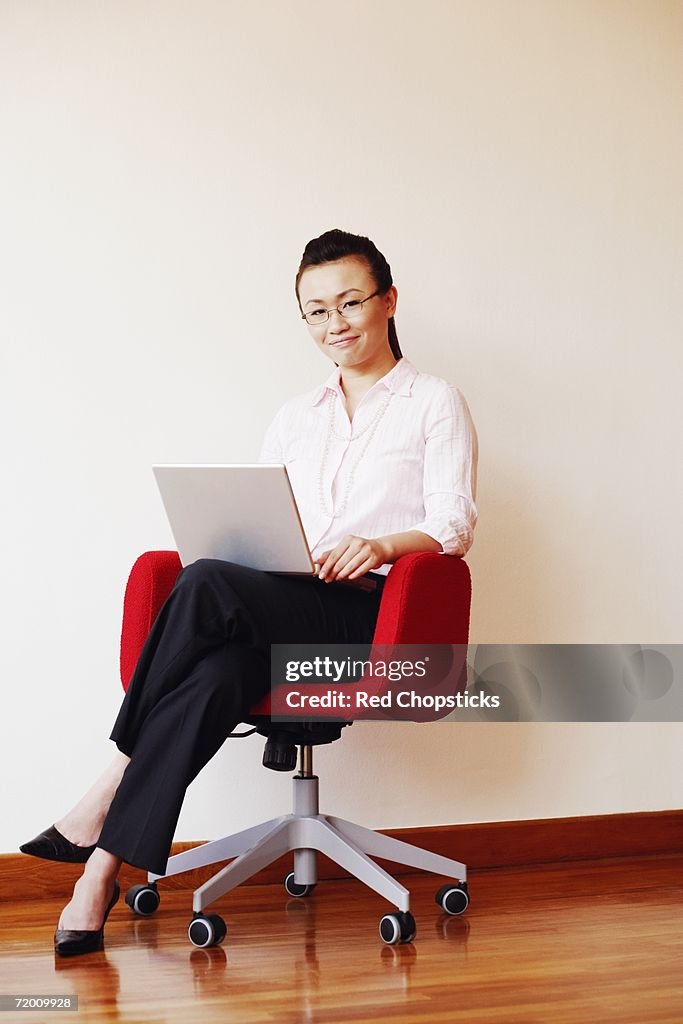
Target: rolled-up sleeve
[{"x": 450, "y": 473}]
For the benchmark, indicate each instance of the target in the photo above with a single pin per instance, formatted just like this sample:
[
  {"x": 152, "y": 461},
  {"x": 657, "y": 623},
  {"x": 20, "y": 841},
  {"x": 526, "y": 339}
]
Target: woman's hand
[{"x": 352, "y": 557}]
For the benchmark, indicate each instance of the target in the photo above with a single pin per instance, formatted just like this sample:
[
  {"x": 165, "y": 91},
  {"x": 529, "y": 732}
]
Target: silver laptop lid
[{"x": 239, "y": 513}]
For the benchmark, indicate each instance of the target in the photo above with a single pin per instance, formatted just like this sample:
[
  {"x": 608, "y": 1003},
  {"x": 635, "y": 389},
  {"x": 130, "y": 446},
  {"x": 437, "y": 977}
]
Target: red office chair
[{"x": 426, "y": 600}]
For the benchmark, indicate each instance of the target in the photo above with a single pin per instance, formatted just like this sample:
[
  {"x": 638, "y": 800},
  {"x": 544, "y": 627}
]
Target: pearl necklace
[{"x": 369, "y": 429}]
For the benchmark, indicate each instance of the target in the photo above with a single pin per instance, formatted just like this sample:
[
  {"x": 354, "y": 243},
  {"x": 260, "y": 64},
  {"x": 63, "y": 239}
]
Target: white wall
[{"x": 163, "y": 165}]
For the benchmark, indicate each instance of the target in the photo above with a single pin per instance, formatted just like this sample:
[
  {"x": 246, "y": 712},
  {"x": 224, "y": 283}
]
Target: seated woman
[{"x": 382, "y": 461}]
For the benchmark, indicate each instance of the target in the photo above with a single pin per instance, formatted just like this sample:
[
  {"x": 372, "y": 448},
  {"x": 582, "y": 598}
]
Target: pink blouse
[{"x": 407, "y": 461}]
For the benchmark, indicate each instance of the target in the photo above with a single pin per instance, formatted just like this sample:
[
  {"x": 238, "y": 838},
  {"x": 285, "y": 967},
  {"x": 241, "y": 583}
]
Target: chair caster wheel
[
  {"x": 453, "y": 899},
  {"x": 143, "y": 899},
  {"x": 395, "y": 928},
  {"x": 297, "y": 890},
  {"x": 206, "y": 930}
]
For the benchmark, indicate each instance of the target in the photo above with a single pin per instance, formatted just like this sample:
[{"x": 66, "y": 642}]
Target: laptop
[{"x": 239, "y": 513}]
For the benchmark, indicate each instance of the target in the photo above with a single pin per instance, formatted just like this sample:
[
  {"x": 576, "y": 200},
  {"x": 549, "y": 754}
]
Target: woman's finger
[
  {"x": 352, "y": 565},
  {"x": 330, "y": 562},
  {"x": 340, "y": 564},
  {"x": 366, "y": 566},
  {"x": 340, "y": 556}
]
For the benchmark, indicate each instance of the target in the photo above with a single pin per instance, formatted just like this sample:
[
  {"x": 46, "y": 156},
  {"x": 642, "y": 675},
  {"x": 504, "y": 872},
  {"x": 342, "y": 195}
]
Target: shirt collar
[{"x": 399, "y": 380}]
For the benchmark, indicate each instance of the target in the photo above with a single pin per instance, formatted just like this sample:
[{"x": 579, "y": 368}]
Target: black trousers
[{"x": 205, "y": 662}]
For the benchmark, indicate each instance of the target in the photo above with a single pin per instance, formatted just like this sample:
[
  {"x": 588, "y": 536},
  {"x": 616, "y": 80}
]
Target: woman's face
[{"x": 361, "y": 340}]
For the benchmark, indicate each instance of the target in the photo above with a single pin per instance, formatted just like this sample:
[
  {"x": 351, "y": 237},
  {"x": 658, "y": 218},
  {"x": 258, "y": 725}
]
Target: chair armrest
[
  {"x": 426, "y": 600},
  {"x": 149, "y": 584}
]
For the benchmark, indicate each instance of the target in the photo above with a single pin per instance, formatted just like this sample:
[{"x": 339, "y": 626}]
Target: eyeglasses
[{"x": 347, "y": 310}]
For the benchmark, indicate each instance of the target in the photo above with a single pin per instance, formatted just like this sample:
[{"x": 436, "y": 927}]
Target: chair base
[{"x": 305, "y": 832}]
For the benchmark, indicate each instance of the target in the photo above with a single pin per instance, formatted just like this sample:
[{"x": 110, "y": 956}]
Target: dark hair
[{"x": 337, "y": 245}]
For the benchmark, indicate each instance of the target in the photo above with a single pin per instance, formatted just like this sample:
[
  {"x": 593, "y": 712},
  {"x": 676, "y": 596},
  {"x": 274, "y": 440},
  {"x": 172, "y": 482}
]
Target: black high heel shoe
[
  {"x": 74, "y": 942},
  {"x": 52, "y": 845}
]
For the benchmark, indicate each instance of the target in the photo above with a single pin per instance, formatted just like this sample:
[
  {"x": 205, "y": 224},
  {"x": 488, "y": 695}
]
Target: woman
[{"x": 382, "y": 461}]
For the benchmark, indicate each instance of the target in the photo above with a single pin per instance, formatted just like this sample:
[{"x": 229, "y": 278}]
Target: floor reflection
[
  {"x": 94, "y": 979},
  {"x": 455, "y": 929}
]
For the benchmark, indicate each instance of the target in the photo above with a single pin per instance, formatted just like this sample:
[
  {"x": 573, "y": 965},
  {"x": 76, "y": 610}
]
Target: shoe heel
[{"x": 74, "y": 942}]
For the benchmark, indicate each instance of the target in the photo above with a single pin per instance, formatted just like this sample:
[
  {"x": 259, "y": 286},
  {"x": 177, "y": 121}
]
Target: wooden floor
[{"x": 588, "y": 942}]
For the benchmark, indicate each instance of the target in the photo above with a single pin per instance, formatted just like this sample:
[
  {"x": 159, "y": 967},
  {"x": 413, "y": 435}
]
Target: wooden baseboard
[{"x": 495, "y": 844}]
